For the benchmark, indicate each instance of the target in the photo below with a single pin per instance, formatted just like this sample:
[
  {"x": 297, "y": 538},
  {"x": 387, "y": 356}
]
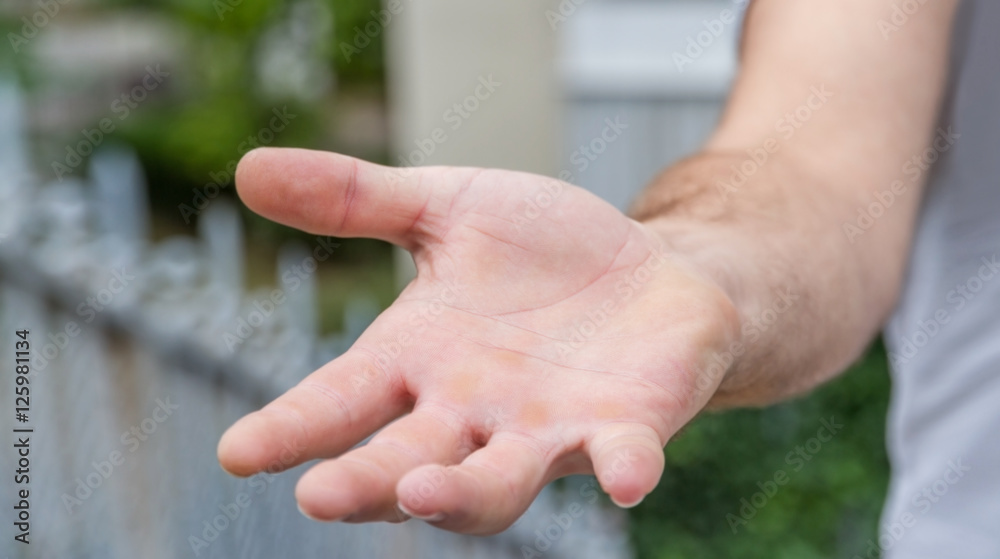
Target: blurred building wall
[
  {"x": 643, "y": 84},
  {"x": 605, "y": 92},
  {"x": 471, "y": 83},
  {"x": 443, "y": 53}
]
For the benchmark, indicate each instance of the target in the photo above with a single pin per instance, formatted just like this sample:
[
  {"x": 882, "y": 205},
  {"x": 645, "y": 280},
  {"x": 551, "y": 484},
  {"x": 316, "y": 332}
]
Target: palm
[{"x": 538, "y": 340}]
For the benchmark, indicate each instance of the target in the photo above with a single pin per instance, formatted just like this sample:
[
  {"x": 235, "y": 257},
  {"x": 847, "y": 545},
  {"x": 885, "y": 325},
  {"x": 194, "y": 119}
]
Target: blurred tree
[{"x": 240, "y": 63}]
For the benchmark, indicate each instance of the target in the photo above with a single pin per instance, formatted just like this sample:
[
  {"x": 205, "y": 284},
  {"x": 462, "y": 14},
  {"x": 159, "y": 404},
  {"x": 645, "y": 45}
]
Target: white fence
[{"x": 138, "y": 364}]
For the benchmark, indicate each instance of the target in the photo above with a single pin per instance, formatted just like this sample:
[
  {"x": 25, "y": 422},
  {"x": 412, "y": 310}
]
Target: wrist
[
  {"x": 709, "y": 259},
  {"x": 737, "y": 248}
]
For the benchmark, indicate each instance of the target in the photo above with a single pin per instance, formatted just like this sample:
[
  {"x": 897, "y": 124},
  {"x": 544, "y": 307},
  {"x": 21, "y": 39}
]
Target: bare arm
[
  {"x": 826, "y": 111},
  {"x": 537, "y": 342}
]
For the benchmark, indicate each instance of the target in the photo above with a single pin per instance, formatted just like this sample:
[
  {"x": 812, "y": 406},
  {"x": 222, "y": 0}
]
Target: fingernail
[
  {"x": 310, "y": 517},
  {"x": 436, "y": 517},
  {"x": 627, "y": 505}
]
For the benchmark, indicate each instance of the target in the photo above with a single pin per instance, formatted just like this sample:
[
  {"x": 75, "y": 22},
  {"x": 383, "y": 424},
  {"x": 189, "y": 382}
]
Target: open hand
[{"x": 545, "y": 334}]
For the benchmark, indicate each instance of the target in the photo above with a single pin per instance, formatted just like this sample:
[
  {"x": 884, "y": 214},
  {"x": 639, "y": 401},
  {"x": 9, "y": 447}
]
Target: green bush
[{"x": 829, "y": 505}]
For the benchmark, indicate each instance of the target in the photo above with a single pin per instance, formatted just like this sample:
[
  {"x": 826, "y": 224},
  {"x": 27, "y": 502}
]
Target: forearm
[
  {"x": 808, "y": 300},
  {"x": 769, "y": 209}
]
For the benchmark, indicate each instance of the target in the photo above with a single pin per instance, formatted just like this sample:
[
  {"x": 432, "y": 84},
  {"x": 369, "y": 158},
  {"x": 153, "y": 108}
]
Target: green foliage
[
  {"x": 198, "y": 121},
  {"x": 828, "y": 508},
  {"x": 214, "y": 103},
  {"x": 351, "y": 19}
]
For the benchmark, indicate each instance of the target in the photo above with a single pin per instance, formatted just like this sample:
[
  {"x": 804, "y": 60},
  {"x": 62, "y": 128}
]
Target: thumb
[{"x": 331, "y": 194}]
